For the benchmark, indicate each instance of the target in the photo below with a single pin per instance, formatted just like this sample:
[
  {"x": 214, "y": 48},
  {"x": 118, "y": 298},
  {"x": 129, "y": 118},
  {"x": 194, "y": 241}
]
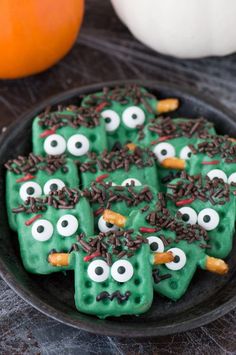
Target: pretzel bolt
[
  {"x": 59, "y": 259},
  {"x": 131, "y": 146},
  {"x": 167, "y": 105},
  {"x": 218, "y": 266},
  {"x": 163, "y": 258},
  {"x": 173, "y": 163},
  {"x": 114, "y": 218}
]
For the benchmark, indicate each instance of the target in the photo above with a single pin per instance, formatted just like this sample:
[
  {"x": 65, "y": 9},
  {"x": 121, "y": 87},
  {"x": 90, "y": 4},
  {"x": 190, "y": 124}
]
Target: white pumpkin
[{"x": 182, "y": 28}]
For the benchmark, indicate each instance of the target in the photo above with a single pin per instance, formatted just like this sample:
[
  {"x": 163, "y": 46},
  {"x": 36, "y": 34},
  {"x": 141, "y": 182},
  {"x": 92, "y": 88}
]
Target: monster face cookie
[
  {"x": 34, "y": 176},
  {"x": 215, "y": 157},
  {"x": 124, "y": 109},
  {"x": 120, "y": 199},
  {"x": 198, "y": 200},
  {"x": 170, "y": 140},
  {"x": 73, "y": 130},
  {"x": 187, "y": 245},
  {"x": 121, "y": 167},
  {"x": 113, "y": 273},
  {"x": 51, "y": 224}
]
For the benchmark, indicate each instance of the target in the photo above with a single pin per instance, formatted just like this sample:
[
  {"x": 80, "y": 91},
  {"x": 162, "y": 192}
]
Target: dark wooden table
[{"x": 106, "y": 51}]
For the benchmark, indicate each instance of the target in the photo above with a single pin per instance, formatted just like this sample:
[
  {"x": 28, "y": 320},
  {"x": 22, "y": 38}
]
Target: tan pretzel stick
[
  {"x": 131, "y": 146},
  {"x": 167, "y": 105},
  {"x": 114, "y": 218},
  {"x": 163, "y": 258},
  {"x": 217, "y": 266},
  {"x": 232, "y": 139},
  {"x": 59, "y": 259},
  {"x": 173, "y": 163}
]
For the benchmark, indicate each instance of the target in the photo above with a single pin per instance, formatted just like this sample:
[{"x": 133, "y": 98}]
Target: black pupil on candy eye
[
  {"x": 78, "y": 145},
  {"x": 53, "y": 187},
  {"x": 40, "y": 229},
  {"x": 99, "y": 270},
  {"x": 107, "y": 120},
  {"x": 109, "y": 225},
  {"x": 176, "y": 259},
  {"x": 185, "y": 217},
  {"x": 154, "y": 246},
  {"x": 30, "y": 190},
  {"x": 134, "y": 116},
  {"x": 163, "y": 152},
  {"x": 121, "y": 270},
  {"x": 189, "y": 154},
  {"x": 64, "y": 223},
  {"x": 54, "y": 143},
  {"x": 206, "y": 218}
]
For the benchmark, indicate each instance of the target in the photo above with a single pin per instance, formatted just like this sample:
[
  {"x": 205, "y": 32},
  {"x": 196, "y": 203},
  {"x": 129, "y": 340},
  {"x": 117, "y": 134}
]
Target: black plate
[{"x": 208, "y": 297}]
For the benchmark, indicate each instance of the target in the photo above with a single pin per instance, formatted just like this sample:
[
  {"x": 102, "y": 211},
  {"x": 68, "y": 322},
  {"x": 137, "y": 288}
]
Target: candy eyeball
[
  {"x": 188, "y": 215},
  {"x": 54, "y": 144},
  {"x": 208, "y": 219},
  {"x": 42, "y": 230},
  {"x": 30, "y": 189},
  {"x": 105, "y": 227},
  {"x": 164, "y": 150},
  {"x": 130, "y": 182},
  {"x": 185, "y": 153},
  {"x": 179, "y": 259},
  {"x": 67, "y": 225},
  {"x": 78, "y": 145},
  {"x": 232, "y": 179},
  {"x": 98, "y": 271},
  {"x": 156, "y": 244},
  {"x": 122, "y": 270},
  {"x": 217, "y": 173},
  {"x": 133, "y": 116},
  {"x": 112, "y": 120},
  {"x": 53, "y": 185}
]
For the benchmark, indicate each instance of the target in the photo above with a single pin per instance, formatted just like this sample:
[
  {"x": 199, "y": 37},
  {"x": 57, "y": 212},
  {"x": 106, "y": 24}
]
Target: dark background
[{"x": 106, "y": 51}]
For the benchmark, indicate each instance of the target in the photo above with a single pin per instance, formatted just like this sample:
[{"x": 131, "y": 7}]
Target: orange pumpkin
[{"x": 35, "y": 34}]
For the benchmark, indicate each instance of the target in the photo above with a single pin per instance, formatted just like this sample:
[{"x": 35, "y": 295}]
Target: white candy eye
[
  {"x": 185, "y": 153},
  {"x": 208, "y": 219},
  {"x": 179, "y": 259},
  {"x": 189, "y": 215},
  {"x": 156, "y": 244},
  {"x": 133, "y": 116},
  {"x": 217, "y": 173},
  {"x": 53, "y": 185},
  {"x": 112, "y": 120},
  {"x": 30, "y": 189},
  {"x": 129, "y": 182},
  {"x": 122, "y": 270},
  {"x": 232, "y": 178},
  {"x": 42, "y": 230},
  {"x": 105, "y": 227},
  {"x": 67, "y": 225},
  {"x": 54, "y": 144},
  {"x": 98, "y": 271},
  {"x": 78, "y": 145},
  {"x": 163, "y": 151}
]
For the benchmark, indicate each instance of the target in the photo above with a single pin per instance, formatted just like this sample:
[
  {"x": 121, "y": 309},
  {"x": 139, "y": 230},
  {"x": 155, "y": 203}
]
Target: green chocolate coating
[
  {"x": 41, "y": 177},
  {"x": 35, "y": 253},
  {"x": 96, "y": 136},
  {"x": 140, "y": 287}
]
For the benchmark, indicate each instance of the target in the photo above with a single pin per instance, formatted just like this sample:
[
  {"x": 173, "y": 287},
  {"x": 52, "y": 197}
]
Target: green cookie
[
  {"x": 51, "y": 224},
  {"x": 210, "y": 204},
  {"x": 170, "y": 138},
  {"x": 120, "y": 199},
  {"x": 77, "y": 131},
  {"x": 124, "y": 109},
  {"x": 215, "y": 157},
  {"x": 34, "y": 176},
  {"x": 121, "y": 167},
  {"x": 119, "y": 281}
]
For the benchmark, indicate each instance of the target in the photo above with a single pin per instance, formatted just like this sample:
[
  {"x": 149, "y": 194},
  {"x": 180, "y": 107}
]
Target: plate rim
[{"x": 143, "y": 331}]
